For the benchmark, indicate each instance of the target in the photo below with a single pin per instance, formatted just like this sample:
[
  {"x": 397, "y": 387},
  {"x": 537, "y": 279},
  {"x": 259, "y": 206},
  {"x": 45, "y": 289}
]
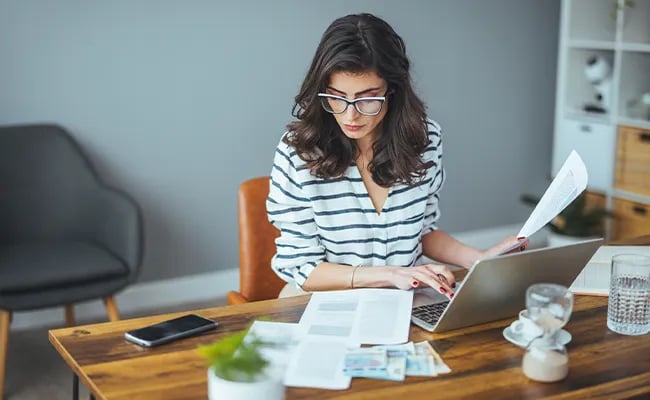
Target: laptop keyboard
[{"x": 430, "y": 313}]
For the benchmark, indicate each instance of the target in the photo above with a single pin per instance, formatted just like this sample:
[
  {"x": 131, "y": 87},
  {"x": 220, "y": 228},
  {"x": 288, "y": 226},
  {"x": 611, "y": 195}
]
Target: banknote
[
  {"x": 425, "y": 348},
  {"x": 395, "y": 365},
  {"x": 394, "y": 362},
  {"x": 362, "y": 361},
  {"x": 416, "y": 365},
  {"x": 409, "y": 347},
  {"x": 420, "y": 365},
  {"x": 395, "y": 371}
]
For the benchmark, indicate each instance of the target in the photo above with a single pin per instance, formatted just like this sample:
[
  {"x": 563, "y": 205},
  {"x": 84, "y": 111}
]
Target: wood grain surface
[
  {"x": 484, "y": 365},
  {"x": 602, "y": 364}
]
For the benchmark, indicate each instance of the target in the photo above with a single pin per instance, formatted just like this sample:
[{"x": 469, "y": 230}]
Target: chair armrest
[{"x": 117, "y": 225}]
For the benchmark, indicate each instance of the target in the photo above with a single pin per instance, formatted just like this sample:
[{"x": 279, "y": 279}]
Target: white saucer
[{"x": 563, "y": 337}]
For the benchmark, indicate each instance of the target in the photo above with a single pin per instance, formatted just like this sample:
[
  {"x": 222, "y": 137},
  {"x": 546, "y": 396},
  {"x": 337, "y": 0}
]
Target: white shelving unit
[
  {"x": 614, "y": 144},
  {"x": 618, "y": 31}
]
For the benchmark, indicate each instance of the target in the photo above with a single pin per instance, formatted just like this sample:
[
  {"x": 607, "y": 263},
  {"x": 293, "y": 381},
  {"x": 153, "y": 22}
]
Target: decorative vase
[{"x": 267, "y": 388}]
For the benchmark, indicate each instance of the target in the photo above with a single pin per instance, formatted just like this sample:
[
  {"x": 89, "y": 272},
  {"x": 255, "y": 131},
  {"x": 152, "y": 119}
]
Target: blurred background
[{"x": 178, "y": 102}]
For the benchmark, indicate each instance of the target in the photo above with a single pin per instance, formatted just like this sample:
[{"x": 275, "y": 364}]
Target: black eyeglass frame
[{"x": 354, "y": 102}]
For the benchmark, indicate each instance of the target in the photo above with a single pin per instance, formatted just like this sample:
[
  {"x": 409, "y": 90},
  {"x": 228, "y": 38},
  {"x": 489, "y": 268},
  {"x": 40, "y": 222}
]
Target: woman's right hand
[{"x": 436, "y": 276}]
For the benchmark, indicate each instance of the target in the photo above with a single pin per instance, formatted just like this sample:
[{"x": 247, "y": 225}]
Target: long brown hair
[{"x": 358, "y": 43}]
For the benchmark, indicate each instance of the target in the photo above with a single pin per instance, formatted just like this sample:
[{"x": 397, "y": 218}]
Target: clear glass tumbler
[{"x": 628, "y": 312}]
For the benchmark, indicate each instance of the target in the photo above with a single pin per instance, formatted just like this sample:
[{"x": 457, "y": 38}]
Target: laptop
[{"x": 495, "y": 288}]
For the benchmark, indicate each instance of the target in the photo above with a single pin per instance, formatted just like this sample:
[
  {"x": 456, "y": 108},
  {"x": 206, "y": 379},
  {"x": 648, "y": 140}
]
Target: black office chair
[{"x": 64, "y": 236}]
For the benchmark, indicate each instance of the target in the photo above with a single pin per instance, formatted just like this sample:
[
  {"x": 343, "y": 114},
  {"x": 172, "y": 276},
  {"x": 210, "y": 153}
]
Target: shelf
[
  {"x": 616, "y": 35},
  {"x": 637, "y": 123},
  {"x": 590, "y": 118},
  {"x": 625, "y": 195},
  {"x": 637, "y": 47},
  {"x": 579, "y": 90},
  {"x": 591, "y": 44},
  {"x": 583, "y": 116}
]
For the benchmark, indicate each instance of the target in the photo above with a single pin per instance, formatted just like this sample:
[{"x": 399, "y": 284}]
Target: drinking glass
[{"x": 628, "y": 310}]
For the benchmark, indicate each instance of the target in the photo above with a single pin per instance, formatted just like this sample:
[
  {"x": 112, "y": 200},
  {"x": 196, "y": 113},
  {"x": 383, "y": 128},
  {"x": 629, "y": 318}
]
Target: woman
[{"x": 356, "y": 179}]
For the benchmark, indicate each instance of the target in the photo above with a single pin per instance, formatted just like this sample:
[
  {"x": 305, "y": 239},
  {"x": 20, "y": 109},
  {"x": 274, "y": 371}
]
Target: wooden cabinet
[
  {"x": 631, "y": 202},
  {"x": 631, "y": 219},
  {"x": 633, "y": 160}
]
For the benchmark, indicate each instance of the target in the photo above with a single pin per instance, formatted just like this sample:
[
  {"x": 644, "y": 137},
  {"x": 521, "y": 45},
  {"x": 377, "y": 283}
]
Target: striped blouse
[{"x": 334, "y": 220}]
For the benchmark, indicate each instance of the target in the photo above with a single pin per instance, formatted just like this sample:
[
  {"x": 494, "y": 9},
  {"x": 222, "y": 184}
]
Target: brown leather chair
[{"x": 257, "y": 281}]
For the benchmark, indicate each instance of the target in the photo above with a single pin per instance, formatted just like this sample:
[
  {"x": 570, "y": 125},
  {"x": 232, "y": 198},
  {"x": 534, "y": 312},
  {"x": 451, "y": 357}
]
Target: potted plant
[
  {"x": 576, "y": 222},
  {"x": 238, "y": 371}
]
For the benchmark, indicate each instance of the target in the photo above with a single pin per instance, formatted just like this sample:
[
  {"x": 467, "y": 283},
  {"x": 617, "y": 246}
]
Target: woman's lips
[{"x": 352, "y": 128}]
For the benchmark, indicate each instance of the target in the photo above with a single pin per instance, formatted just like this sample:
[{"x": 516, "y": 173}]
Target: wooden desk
[
  {"x": 484, "y": 365},
  {"x": 603, "y": 364}
]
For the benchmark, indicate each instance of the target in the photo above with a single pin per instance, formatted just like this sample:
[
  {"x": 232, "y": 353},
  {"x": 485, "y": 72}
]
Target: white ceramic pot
[
  {"x": 557, "y": 240},
  {"x": 268, "y": 389}
]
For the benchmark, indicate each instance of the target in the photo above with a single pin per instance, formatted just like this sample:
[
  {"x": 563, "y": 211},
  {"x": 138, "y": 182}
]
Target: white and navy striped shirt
[{"x": 334, "y": 220}]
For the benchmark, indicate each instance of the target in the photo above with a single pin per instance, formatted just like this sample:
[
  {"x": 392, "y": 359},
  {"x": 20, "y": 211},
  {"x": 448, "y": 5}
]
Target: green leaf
[{"x": 234, "y": 359}]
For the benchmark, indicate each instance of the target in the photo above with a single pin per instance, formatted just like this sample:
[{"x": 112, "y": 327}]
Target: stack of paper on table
[
  {"x": 595, "y": 277},
  {"x": 332, "y": 323}
]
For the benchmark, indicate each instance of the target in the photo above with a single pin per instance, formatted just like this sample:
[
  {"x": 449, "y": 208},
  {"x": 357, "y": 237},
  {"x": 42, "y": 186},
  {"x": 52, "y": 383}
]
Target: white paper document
[
  {"x": 318, "y": 363},
  {"x": 570, "y": 181},
  {"x": 336, "y": 321},
  {"x": 359, "y": 316},
  {"x": 281, "y": 340},
  {"x": 312, "y": 352},
  {"x": 595, "y": 276},
  {"x": 298, "y": 362}
]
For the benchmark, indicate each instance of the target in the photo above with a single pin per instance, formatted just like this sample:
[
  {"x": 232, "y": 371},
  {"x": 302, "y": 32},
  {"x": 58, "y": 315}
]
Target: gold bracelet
[{"x": 354, "y": 269}]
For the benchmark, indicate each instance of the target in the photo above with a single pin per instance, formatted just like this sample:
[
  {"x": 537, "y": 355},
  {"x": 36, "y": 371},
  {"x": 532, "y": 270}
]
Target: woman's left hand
[{"x": 511, "y": 244}]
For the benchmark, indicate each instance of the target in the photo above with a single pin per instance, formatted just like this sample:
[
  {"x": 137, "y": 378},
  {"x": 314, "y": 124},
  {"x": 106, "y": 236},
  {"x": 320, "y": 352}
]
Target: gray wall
[{"x": 179, "y": 101}]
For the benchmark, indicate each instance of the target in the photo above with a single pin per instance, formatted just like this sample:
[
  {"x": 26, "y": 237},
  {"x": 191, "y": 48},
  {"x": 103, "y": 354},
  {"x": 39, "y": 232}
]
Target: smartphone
[{"x": 167, "y": 331}]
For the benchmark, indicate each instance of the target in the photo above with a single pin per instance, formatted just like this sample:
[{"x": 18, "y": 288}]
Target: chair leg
[
  {"x": 111, "y": 309},
  {"x": 69, "y": 315},
  {"x": 5, "y": 321}
]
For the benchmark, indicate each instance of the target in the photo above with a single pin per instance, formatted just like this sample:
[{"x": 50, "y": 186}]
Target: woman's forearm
[
  {"x": 328, "y": 276},
  {"x": 441, "y": 247}
]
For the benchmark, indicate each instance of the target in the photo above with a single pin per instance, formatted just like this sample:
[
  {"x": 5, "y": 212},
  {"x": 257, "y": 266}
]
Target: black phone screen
[{"x": 172, "y": 327}]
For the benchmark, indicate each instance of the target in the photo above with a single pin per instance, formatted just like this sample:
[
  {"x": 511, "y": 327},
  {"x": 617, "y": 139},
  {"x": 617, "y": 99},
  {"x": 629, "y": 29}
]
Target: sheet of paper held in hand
[
  {"x": 336, "y": 321},
  {"x": 569, "y": 182}
]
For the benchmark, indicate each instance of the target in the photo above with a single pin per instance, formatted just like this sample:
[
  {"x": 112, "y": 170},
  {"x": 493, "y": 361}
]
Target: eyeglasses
[{"x": 364, "y": 105}]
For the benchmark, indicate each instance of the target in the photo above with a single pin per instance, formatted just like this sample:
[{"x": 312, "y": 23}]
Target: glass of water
[{"x": 628, "y": 312}]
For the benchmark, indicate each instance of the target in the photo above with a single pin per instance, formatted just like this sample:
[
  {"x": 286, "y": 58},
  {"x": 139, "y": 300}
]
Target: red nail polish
[
  {"x": 521, "y": 238},
  {"x": 443, "y": 290},
  {"x": 451, "y": 295},
  {"x": 415, "y": 283},
  {"x": 453, "y": 285}
]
